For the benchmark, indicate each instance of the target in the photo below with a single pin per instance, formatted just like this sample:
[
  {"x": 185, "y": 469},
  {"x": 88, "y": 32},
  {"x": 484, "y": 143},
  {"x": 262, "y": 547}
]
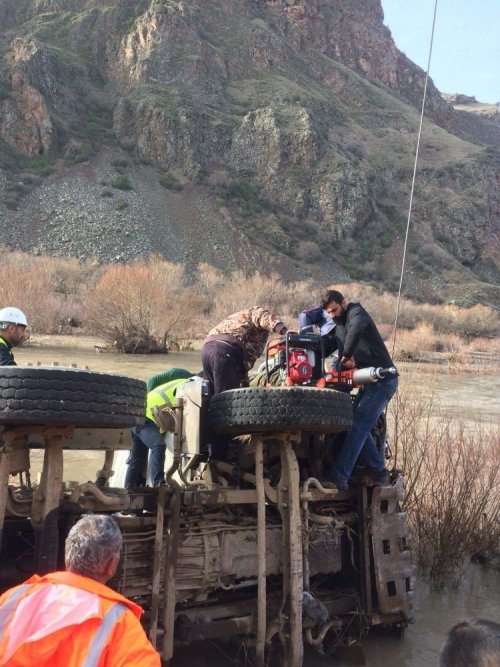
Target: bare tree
[{"x": 136, "y": 307}]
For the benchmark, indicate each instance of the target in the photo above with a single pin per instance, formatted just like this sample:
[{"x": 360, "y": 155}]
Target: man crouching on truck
[
  {"x": 150, "y": 436},
  {"x": 359, "y": 345},
  {"x": 71, "y": 618}
]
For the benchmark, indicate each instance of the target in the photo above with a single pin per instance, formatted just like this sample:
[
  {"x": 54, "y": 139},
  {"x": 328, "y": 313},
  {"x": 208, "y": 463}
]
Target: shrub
[
  {"x": 106, "y": 192},
  {"x": 121, "y": 204},
  {"x": 119, "y": 162},
  {"x": 4, "y": 91},
  {"x": 33, "y": 290},
  {"x": 121, "y": 183},
  {"x": 170, "y": 182},
  {"x": 136, "y": 307},
  {"x": 81, "y": 154},
  {"x": 309, "y": 251},
  {"x": 452, "y": 474}
]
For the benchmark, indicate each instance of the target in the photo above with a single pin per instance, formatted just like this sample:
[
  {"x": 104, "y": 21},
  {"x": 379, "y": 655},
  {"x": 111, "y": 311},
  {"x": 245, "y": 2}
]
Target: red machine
[
  {"x": 300, "y": 360},
  {"x": 299, "y": 367}
]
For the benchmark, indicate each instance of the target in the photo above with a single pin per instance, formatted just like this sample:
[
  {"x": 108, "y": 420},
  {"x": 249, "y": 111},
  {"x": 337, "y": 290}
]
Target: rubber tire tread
[
  {"x": 47, "y": 395},
  {"x": 273, "y": 409}
]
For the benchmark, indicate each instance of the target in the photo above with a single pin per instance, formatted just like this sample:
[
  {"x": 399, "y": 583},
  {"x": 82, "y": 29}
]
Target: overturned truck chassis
[{"x": 245, "y": 549}]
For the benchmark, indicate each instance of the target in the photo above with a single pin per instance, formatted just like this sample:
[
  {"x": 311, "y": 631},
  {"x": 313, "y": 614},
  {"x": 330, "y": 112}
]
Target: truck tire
[
  {"x": 82, "y": 398},
  {"x": 273, "y": 409}
]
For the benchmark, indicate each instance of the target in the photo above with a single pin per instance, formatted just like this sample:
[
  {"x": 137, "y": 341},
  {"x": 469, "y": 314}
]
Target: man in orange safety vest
[{"x": 71, "y": 618}]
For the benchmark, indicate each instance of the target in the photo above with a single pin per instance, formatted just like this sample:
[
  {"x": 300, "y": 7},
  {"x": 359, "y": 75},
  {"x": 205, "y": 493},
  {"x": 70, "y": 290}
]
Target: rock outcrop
[{"x": 299, "y": 116}]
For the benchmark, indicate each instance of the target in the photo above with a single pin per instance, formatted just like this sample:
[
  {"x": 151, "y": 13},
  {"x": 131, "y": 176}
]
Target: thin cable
[{"x": 413, "y": 179}]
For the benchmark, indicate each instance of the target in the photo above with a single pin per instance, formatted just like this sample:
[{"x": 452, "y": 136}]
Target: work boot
[{"x": 333, "y": 481}]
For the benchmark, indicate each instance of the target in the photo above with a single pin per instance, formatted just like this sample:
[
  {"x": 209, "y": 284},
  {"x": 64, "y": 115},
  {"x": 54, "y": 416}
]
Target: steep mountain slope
[{"x": 274, "y": 134}]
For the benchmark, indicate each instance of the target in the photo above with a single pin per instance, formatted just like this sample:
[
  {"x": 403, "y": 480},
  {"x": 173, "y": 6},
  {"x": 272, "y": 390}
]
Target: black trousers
[
  {"x": 222, "y": 365},
  {"x": 223, "y": 368}
]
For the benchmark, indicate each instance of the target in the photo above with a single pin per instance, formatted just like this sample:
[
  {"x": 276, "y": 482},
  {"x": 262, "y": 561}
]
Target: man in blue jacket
[
  {"x": 319, "y": 320},
  {"x": 360, "y": 345}
]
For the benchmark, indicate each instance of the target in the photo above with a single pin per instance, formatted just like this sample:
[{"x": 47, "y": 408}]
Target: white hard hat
[{"x": 11, "y": 315}]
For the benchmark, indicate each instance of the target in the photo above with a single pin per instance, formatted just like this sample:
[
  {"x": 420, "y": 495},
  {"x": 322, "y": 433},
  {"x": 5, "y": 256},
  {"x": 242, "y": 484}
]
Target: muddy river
[{"x": 471, "y": 396}]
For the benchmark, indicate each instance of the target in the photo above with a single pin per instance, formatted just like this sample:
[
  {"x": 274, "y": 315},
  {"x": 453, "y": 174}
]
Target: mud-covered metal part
[
  {"x": 171, "y": 558},
  {"x": 226, "y": 549},
  {"x": 4, "y": 481},
  {"x": 158, "y": 562},
  {"x": 393, "y": 569},
  {"x": 261, "y": 554},
  {"x": 290, "y": 616},
  {"x": 106, "y": 472}
]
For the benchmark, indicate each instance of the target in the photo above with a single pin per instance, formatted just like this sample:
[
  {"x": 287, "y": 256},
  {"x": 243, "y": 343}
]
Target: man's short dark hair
[
  {"x": 330, "y": 296},
  {"x": 475, "y": 644}
]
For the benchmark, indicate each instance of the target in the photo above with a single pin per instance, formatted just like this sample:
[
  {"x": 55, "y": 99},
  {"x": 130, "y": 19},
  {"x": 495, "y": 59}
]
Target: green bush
[
  {"x": 11, "y": 203},
  {"x": 4, "y": 90},
  {"x": 106, "y": 192},
  {"x": 29, "y": 179},
  {"x": 120, "y": 204},
  {"x": 46, "y": 171},
  {"x": 119, "y": 162},
  {"x": 84, "y": 152},
  {"x": 245, "y": 196},
  {"x": 12, "y": 161},
  {"x": 170, "y": 182},
  {"x": 385, "y": 239},
  {"x": 121, "y": 183}
]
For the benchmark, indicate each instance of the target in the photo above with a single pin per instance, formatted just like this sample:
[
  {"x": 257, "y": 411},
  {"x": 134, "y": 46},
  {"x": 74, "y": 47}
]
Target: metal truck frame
[{"x": 253, "y": 548}]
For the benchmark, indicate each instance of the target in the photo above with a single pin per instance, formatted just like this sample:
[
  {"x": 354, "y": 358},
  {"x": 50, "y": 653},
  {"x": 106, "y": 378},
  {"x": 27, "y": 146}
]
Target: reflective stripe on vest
[
  {"x": 163, "y": 394},
  {"x": 97, "y": 644},
  {"x": 9, "y": 606}
]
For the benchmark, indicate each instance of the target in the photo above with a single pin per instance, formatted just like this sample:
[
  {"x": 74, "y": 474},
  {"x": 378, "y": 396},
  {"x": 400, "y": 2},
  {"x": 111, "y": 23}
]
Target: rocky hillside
[{"x": 271, "y": 134}]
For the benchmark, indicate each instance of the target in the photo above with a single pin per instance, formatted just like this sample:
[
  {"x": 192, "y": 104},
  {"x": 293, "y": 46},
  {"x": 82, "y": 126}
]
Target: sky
[{"x": 466, "y": 49}]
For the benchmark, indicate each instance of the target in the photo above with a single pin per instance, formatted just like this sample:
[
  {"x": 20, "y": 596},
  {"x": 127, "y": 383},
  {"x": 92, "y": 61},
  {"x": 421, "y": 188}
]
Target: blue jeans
[
  {"x": 368, "y": 406},
  {"x": 144, "y": 438}
]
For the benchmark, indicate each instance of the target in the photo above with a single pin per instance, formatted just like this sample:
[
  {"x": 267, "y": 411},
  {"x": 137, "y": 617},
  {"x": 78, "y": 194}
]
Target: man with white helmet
[{"x": 13, "y": 324}]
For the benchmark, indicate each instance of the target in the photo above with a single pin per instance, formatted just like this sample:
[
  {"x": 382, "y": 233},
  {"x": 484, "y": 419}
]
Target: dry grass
[
  {"x": 51, "y": 290},
  {"x": 452, "y": 473}
]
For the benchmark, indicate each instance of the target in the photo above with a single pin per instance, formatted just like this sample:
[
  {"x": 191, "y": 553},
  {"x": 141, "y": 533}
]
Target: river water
[{"x": 471, "y": 395}]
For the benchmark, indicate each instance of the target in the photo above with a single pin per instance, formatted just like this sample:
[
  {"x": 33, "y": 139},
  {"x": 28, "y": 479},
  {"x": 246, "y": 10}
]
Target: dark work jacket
[
  {"x": 6, "y": 355},
  {"x": 359, "y": 338}
]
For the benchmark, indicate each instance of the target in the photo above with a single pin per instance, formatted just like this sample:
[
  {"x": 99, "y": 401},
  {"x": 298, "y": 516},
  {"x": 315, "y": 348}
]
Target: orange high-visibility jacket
[{"x": 66, "y": 620}]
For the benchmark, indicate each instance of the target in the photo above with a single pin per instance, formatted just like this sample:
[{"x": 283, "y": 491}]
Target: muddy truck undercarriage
[{"x": 252, "y": 548}]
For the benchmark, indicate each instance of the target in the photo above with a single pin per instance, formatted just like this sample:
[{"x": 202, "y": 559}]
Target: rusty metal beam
[
  {"x": 236, "y": 626},
  {"x": 221, "y": 497},
  {"x": 364, "y": 549},
  {"x": 46, "y": 499},
  {"x": 169, "y": 599},
  {"x": 157, "y": 563},
  {"x": 4, "y": 481},
  {"x": 261, "y": 553},
  {"x": 289, "y": 506}
]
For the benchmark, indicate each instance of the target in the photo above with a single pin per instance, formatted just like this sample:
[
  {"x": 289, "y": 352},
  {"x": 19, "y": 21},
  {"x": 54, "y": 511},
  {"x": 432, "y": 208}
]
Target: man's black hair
[{"x": 330, "y": 296}]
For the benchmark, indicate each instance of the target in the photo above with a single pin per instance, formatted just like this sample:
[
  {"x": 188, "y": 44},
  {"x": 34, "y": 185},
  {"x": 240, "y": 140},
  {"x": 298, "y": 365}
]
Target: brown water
[{"x": 468, "y": 395}]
